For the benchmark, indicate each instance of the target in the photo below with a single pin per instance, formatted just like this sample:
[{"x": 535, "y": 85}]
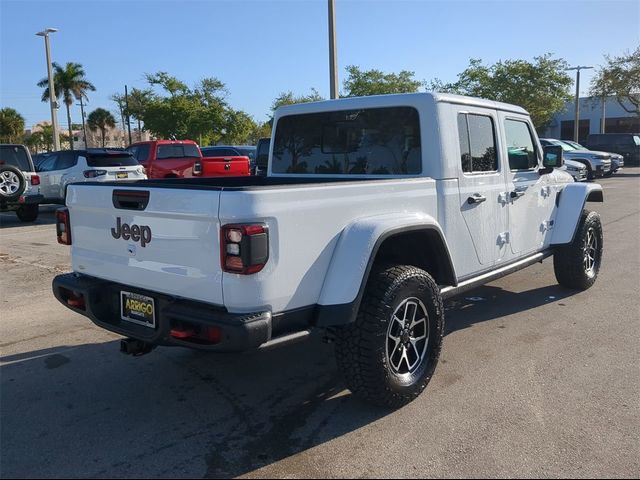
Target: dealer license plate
[
  {"x": 138, "y": 309},
  {"x": 122, "y": 175}
]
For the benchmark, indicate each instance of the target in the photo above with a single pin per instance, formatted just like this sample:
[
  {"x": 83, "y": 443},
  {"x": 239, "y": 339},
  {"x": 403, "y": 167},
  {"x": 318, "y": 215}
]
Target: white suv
[
  {"x": 94, "y": 165},
  {"x": 19, "y": 184}
]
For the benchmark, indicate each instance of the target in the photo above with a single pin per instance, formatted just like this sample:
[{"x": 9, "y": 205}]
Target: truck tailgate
[{"x": 170, "y": 245}]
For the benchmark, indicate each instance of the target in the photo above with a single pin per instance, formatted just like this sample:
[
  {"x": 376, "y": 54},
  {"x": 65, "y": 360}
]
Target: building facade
[{"x": 617, "y": 119}]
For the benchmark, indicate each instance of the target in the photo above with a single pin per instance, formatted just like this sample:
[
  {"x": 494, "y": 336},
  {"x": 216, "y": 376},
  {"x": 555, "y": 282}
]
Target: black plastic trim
[{"x": 341, "y": 314}]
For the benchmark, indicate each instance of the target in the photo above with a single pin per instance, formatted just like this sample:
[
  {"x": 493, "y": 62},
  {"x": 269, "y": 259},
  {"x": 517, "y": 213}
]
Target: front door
[
  {"x": 531, "y": 198},
  {"x": 482, "y": 185}
]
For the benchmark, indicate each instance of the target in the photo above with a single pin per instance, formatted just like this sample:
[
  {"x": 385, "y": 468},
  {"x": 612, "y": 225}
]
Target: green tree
[
  {"x": 238, "y": 128},
  {"x": 289, "y": 98},
  {"x": 70, "y": 82},
  {"x": 11, "y": 126},
  {"x": 178, "y": 111},
  {"x": 261, "y": 130},
  {"x": 42, "y": 138},
  {"x": 138, "y": 100},
  {"x": 101, "y": 119},
  {"x": 361, "y": 83},
  {"x": 620, "y": 77},
  {"x": 541, "y": 87}
]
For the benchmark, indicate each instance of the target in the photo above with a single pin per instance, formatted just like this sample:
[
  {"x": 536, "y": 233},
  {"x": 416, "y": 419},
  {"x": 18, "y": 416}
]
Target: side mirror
[{"x": 552, "y": 157}]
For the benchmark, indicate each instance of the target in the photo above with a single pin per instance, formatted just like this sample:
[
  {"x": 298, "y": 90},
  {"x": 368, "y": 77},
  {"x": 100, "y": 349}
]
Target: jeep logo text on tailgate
[{"x": 136, "y": 233}]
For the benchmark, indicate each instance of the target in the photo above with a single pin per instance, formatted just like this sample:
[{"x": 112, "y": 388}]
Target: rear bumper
[
  {"x": 23, "y": 200},
  {"x": 102, "y": 306}
]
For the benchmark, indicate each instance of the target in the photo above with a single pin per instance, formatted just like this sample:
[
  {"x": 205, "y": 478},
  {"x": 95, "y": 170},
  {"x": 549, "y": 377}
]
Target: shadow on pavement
[
  {"x": 91, "y": 411},
  {"x": 45, "y": 217}
]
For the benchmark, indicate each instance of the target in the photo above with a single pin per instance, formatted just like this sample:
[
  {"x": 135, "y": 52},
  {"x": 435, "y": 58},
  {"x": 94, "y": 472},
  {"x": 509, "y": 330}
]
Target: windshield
[
  {"x": 16, "y": 156},
  {"x": 120, "y": 159}
]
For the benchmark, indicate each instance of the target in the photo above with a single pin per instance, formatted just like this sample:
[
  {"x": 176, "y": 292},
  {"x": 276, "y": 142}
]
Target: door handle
[
  {"x": 516, "y": 193},
  {"x": 476, "y": 198}
]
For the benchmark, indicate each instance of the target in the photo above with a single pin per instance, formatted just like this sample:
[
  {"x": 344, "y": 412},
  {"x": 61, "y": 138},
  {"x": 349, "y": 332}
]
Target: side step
[
  {"x": 471, "y": 283},
  {"x": 286, "y": 339}
]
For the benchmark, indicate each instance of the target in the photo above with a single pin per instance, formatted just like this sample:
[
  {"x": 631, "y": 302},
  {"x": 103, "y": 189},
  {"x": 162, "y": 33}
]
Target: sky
[{"x": 261, "y": 48}]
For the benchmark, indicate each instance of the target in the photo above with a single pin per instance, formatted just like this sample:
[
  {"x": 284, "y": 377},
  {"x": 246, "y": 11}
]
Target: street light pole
[
  {"x": 333, "y": 55},
  {"x": 576, "y": 123},
  {"x": 84, "y": 127},
  {"x": 53, "y": 100}
]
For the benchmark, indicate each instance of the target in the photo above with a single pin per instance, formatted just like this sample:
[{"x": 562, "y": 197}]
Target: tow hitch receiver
[{"x": 131, "y": 346}]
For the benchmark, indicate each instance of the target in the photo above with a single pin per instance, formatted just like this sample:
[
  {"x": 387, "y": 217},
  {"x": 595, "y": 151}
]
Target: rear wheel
[
  {"x": 390, "y": 352},
  {"x": 12, "y": 183},
  {"x": 27, "y": 213},
  {"x": 577, "y": 264}
]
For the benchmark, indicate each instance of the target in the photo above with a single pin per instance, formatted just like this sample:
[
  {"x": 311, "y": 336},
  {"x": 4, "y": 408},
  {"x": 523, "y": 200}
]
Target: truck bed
[{"x": 238, "y": 183}]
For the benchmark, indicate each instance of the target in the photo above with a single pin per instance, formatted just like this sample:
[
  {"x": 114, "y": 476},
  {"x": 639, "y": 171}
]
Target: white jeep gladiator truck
[{"x": 372, "y": 212}]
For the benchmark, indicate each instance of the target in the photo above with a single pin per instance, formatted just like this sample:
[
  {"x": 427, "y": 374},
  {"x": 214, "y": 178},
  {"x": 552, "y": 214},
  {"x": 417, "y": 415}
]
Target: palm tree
[
  {"x": 69, "y": 82},
  {"x": 101, "y": 119},
  {"x": 11, "y": 126}
]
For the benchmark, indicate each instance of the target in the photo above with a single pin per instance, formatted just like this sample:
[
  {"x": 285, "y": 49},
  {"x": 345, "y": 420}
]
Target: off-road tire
[
  {"x": 570, "y": 261},
  {"x": 12, "y": 183},
  {"x": 27, "y": 213},
  {"x": 362, "y": 347}
]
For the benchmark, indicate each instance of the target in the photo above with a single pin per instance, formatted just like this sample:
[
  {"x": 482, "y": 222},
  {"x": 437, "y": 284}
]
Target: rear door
[
  {"x": 163, "y": 240},
  {"x": 46, "y": 171},
  {"x": 482, "y": 184}
]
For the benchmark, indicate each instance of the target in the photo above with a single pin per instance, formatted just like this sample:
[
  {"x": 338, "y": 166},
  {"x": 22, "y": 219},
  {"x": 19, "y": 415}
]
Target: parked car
[
  {"x": 598, "y": 163},
  {"x": 221, "y": 161},
  {"x": 576, "y": 169},
  {"x": 617, "y": 160},
  {"x": 262, "y": 156},
  {"x": 39, "y": 158},
  {"x": 19, "y": 183},
  {"x": 625, "y": 144},
  {"x": 62, "y": 168},
  {"x": 167, "y": 158},
  {"x": 374, "y": 211}
]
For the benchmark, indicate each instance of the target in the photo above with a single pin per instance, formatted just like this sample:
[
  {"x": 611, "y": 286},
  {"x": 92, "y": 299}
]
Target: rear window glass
[
  {"x": 120, "y": 159},
  {"x": 374, "y": 141},
  {"x": 16, "y": 156},
  {"x": 140, "y": 152},
  {"x": 219, "y": 152},
  {"x": 177, "y": 151},
  {"x": 248, "y": 152},
  {"x": 262, "y": 153}
]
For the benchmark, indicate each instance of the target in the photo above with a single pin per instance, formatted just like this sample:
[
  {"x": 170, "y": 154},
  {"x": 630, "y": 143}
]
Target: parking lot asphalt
[{"x": 534, "y": 381}]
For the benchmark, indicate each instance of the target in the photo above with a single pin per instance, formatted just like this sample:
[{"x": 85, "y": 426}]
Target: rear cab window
[
  {"x": 369, "y": 141},
  {"x": 177, "y": 150},
  {"x": 15, "y": 156}
]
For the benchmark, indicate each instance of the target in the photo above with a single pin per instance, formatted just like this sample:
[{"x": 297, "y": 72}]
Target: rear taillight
[
  {"x": 94, "y": 173},
  {"x": 244, "y": 249},
  {"x": 197, "y": 168},
  {"x": 63, "y": 226},
  {"x": 35, "y": 180}
]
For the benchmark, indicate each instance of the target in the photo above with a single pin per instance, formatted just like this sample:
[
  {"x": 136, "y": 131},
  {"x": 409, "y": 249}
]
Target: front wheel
[
  {"x": 27, "y": 213},
  {"x": 390, "y": 352},
  {"x": 577, "y": 264}
]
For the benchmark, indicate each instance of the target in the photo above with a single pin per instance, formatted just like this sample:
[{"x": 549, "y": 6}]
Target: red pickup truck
[
  {"x": 183, "y": 158},
  {"x": 222, "y": 161},
  {"x": 167, "y": 158}
]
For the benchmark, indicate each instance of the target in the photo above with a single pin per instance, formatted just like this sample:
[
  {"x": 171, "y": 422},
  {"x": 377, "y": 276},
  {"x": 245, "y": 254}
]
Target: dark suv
[{"x": 626, "y": 144}]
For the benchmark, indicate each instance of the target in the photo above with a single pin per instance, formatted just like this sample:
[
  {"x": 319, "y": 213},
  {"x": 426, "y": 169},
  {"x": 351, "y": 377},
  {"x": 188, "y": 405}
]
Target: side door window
[
  {"x": 66, "y": 160},
  {"x": 521, "y": 147},
  {"x": 142, "y": 152}
]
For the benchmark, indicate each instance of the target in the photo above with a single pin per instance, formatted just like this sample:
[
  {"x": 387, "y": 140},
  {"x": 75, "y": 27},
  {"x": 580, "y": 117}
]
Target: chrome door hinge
[
  {"x": 503, "y": 238},
  {"x": 546, "y": 225}
]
